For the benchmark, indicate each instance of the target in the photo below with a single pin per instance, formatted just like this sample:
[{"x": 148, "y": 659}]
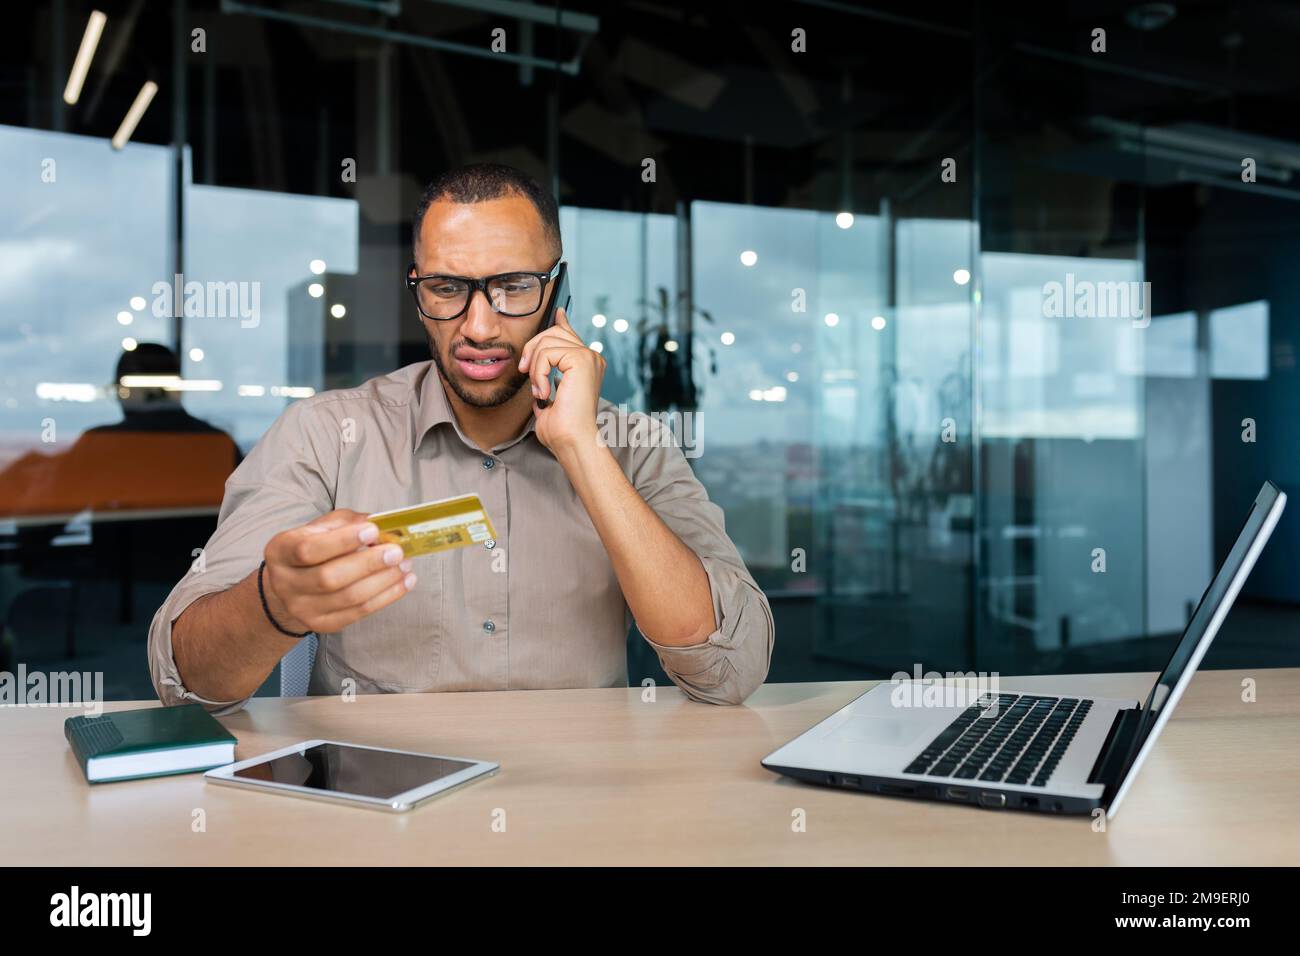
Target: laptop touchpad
[{"x": 879, "y": 731}]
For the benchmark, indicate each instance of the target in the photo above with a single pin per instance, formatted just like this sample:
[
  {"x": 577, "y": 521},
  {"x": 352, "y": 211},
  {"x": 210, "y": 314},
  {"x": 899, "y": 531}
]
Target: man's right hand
[{"x": 329, "y": 573}]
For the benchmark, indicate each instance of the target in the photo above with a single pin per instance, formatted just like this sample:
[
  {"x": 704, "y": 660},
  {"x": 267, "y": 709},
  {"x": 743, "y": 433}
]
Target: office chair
[{"x": 295, "y": 668}]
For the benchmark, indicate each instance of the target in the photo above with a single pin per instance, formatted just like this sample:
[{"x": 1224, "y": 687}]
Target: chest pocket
[{"x": 399, "y": 648}]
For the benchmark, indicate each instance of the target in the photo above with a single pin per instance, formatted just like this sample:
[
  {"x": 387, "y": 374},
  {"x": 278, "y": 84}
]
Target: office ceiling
[{"x": 711, "y": 90}]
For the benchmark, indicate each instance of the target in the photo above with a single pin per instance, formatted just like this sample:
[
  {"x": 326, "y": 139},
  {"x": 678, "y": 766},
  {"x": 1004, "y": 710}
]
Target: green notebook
[{"x": 148, "y": 743}]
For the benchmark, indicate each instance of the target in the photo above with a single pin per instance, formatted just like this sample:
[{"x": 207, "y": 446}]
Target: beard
[{"x": 503, "y": 392}]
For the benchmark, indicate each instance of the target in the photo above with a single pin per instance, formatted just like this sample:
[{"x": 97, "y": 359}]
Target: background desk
[{"x": 599, "y": 777}]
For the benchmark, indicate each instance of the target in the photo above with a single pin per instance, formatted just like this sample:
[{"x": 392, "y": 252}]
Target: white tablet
[{"x": 375, "y": 777}]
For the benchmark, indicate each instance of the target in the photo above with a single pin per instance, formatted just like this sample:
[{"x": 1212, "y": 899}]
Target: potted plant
[{"x": 668, "y": 376}]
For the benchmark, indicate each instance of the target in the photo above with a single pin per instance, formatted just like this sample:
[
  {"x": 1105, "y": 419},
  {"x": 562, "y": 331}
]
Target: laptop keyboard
[{"x": 1007, "y": 738}]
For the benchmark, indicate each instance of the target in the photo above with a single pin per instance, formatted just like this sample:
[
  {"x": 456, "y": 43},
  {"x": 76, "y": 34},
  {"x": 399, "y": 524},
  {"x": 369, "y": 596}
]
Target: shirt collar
[{"x": 434, "y": 410}]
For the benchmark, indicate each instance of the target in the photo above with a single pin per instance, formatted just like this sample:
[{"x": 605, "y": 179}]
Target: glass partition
[{"x": 984, "y": 361}]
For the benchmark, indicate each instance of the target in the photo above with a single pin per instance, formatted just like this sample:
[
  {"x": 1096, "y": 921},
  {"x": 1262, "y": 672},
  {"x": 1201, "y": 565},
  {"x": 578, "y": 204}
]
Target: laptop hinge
[{"x": 1116, "y": 750}]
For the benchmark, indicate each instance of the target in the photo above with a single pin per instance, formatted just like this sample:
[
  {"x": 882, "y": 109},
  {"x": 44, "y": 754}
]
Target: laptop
[{"x": 1007, "y": 747}]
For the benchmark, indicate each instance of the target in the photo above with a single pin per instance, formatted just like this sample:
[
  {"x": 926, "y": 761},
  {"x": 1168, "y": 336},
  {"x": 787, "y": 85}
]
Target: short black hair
[
  {"x": 148, "y": 358},
  {"x": 480, "y": 182}
]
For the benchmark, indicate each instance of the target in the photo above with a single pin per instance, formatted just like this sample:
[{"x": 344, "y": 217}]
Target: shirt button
[
  {"x": 489, "y": 464},
  {"x": 489, "y": 626},
  {"x": 490, "y": 543}
]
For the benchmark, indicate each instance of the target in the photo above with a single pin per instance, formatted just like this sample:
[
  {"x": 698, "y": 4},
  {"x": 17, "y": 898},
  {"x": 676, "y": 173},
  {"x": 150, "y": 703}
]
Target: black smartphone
[{"x": 560, "y": 299}]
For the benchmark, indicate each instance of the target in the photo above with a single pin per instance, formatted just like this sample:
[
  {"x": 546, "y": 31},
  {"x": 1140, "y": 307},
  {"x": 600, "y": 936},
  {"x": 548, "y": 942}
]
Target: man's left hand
[{"x": 570, "y": 419}]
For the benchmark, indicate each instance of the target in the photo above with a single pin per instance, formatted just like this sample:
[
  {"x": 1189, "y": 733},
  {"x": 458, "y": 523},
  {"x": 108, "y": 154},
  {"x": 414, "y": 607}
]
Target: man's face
[{"x": 478, "y": 353}]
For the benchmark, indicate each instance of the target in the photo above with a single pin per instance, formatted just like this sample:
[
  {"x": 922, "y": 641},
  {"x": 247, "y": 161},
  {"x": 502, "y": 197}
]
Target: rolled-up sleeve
[
  {"x": 733, "y": 661},
  {"x": 285, "y": 481}
]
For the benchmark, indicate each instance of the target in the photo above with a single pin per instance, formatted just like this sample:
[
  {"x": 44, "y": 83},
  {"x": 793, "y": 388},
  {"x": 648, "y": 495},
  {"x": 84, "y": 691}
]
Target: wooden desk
[{"x": 598, "y": 777}]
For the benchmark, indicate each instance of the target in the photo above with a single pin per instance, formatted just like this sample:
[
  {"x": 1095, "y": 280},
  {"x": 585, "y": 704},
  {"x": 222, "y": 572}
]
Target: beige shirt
[{"x": 540, "y": 609}]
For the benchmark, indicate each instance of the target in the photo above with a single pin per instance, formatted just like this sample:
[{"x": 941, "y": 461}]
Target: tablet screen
[{"x": 335, "y": 768}]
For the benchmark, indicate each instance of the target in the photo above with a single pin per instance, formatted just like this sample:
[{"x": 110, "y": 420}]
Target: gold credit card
[{"x": 435, "y": 525}]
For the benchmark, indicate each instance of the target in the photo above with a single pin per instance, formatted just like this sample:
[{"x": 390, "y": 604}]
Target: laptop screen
[{"x": 1214, "y": 606}]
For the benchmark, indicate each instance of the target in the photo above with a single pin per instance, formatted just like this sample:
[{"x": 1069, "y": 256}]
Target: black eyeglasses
[{"x": 514, "y": 294}]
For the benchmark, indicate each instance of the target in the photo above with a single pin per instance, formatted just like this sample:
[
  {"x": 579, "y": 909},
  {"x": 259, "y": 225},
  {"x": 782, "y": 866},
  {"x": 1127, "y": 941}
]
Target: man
[
  {"x": 152, "y": 408},
  {"x": 588, "y": 533},
  {"x": 157, "y": 456}
]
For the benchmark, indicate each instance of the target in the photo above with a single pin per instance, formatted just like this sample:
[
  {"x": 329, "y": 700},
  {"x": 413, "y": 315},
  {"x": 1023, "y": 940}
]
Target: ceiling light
[
  {"x": 132, "y": 117},
  {"x": 85, "y": 53}
]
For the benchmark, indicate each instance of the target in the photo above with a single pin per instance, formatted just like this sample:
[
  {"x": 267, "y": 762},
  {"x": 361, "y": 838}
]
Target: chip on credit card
[{"x": 435, "y": 525}]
